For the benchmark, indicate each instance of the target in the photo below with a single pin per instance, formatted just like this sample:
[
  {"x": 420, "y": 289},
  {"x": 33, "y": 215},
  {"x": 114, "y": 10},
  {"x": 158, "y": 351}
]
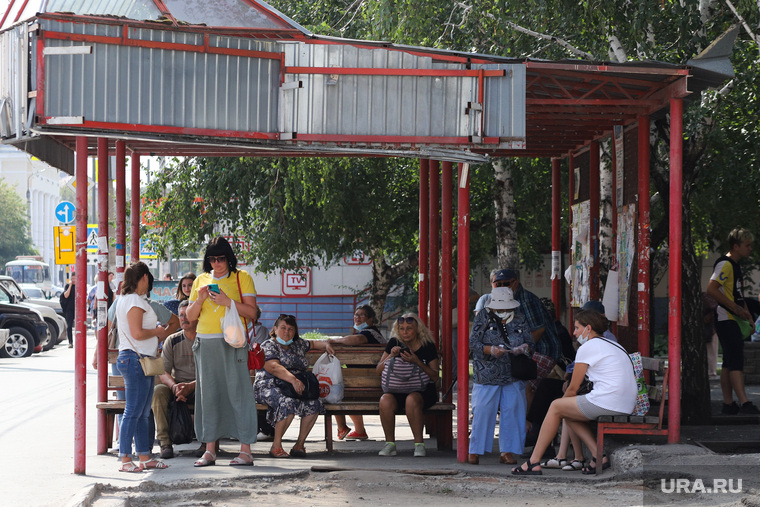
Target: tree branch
[
  {"x": 552, "y": 38},
  {"x": 743, "y": 22}
]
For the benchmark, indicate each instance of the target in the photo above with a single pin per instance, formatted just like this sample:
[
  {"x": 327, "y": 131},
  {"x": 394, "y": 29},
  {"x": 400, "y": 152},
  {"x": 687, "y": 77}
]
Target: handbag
[
  {"x": 310, "y": 386},
  {"x": 152, "y": 365},
  {"x": 234, "y": 332},
  {"x": 586, "y": 387},
  {"x": 402, "y": 377},
  {"x": 256, "y": 357},
  {"x": 523, "y": 367},
  {"x": 180, "y": 422}
]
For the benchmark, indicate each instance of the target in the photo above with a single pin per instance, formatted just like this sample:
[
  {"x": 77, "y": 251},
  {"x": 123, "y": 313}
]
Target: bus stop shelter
[{"x": 238, "y": 78}]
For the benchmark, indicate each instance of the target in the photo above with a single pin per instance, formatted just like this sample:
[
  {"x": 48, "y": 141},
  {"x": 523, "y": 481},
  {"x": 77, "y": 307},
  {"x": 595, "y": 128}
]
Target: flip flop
[
  {"x": 278, "y": 453},
  {"x": 530, "y": 471},
  {"x": 239, "y": 462}
]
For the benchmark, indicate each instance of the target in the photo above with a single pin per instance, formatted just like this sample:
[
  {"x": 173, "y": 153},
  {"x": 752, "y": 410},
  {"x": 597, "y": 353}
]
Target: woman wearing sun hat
[{"x": 499, "y": 330}]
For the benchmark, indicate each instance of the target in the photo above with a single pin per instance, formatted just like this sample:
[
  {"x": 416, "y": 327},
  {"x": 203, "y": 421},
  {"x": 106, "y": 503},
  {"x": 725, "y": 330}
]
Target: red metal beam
[
  {"x": 424, "y": 238},
  {"x": 447, "y": 247},
  {"x": 433, "y": 267},
  {"x": 644, "y": 240},
  {"x": 463, "y": 310},
  {"x": 675, "y": 236},
  {"x": 80, "y": 330}
]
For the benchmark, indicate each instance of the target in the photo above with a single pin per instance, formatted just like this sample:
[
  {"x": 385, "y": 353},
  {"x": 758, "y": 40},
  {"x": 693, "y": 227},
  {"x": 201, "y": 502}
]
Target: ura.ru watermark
[{"x": 699, "y": 486}]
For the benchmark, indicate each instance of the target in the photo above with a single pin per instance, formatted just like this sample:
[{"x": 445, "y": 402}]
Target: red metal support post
[
  {"x": 423, "y": 297},
  {"x": 644, "y": 236},
  {"x": 675, "y": 236},
  {"x": 463, "y": 310},
  {"x": 447, "y": 246},
  {"x": 556, "y": 241},
  {"x": 102, "y": 280},
  {"x": 594, "y": 198},
  {"x": 570, "y": 202},
  {"x": 434, "y": 249},
  {"x": 80, "y": 301},
  {"x": 135, "y": 210},
  {"x": 121, "y": 212}
]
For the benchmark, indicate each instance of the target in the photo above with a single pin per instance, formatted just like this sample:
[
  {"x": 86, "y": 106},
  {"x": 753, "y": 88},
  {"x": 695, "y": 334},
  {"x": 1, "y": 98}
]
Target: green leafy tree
[{"x": 14, "y": 225}]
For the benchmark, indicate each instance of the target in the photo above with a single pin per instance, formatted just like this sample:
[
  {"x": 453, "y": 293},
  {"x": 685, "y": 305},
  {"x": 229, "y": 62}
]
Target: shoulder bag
[
  {"x": 402, "y": 377},
  {"x": 310, "y": 386},
  {"x": 642, "y": 398},
  {"x": 151, "y": 366},
  {"x": 522, "y": 367}
]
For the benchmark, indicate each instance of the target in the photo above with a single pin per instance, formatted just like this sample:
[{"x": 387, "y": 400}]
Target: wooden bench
[
  {"x": 633, "y": 424},
  {"x": 362, "y": 392}
]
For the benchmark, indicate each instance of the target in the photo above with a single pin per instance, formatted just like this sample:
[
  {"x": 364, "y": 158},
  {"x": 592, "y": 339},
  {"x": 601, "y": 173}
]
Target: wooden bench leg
[
  {"x": 599, "y": 447},
  {"x": 444, "y": 431},
  {"x": 328, "y": 433},
  {"x": 110, "y": 416}
]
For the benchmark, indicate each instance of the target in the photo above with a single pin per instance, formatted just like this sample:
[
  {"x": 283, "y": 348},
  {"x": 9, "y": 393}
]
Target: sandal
[
  {"x": 278, "y": 453},
  {"x": 573, "y": 466},
  {"x": 554, "y": 463},
  {"x": 356, "y": 436},
  {"x": 130, "y": 467},
  {"x": 590, "y": 470},
  {"x": 203, "y": 462},
  {"x": 529, "y": 471},
  {"x": 298, "y": 453},
  {"x": 152, "y": 464},
  {"x": 342, "y": 433},
  {"x": 240, "y": 462}
]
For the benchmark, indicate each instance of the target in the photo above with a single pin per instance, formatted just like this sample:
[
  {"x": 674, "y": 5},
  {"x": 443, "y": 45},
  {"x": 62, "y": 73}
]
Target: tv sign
[{"x": 296, "y": 282}]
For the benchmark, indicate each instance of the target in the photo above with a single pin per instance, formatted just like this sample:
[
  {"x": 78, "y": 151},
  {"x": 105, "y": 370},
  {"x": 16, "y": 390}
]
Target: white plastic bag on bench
[{"x": 328, "y": 372}]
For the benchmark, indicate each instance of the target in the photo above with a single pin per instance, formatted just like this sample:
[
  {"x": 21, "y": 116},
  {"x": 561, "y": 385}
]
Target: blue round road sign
[{"x": 65, "y": 212}]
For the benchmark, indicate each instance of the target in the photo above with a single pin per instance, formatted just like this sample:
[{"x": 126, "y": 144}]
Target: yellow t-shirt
[{"x": 210, "y": 319}]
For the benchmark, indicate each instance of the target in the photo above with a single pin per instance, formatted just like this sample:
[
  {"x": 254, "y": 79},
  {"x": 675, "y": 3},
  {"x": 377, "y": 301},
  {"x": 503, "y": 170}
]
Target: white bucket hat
[{"x": 502, "y": 298}]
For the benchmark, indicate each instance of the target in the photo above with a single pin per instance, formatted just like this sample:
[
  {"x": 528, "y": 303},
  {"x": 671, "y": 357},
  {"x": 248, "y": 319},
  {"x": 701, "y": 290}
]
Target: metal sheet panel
[
  {"x": 374, "y": 105},
  {"x": 161, "y": 87},
  {"x": 14, "y": 99},
  {"x": 132, "y": 9},
  {"x": 504, "y": 102}
]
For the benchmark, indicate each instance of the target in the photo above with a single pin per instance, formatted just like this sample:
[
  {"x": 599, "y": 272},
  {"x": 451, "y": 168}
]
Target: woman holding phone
[{"x": 224, "y": 402}]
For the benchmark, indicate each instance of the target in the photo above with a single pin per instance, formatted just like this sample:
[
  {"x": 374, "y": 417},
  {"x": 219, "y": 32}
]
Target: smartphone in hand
[{"x": 214, "y": 287}]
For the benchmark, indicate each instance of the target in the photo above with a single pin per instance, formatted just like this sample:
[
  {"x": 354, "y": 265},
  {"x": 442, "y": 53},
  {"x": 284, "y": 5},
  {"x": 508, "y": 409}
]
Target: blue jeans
[{"x": 138, "y": 390}]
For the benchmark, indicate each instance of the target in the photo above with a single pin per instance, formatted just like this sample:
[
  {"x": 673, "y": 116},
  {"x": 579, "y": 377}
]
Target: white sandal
[
  {"x": 554, "y": 463},
  {"x": 157, "y": 464},
  {"x": 238, "y": 462},
  {"x": 573, "y": 466},
  {"x": 203, "y": 462}
]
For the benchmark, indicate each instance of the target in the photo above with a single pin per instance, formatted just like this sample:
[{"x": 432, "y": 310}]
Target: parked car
[
  {"x": 56, "y": 290},
  {"x": 56, "y": 323},
  {"x": 26, "y": 328},
  {"x": 4, "y": 334},
  {"x": 24, "y": 293}
]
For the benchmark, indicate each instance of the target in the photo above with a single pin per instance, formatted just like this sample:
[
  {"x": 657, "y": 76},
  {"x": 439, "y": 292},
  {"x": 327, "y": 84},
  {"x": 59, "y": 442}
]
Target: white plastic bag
[
  {"x": 328, "y": 372},
  {"x": 232, "y": 327}
]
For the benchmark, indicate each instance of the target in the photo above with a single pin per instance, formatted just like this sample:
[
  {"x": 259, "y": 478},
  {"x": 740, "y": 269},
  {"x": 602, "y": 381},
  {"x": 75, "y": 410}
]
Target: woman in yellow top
[{"x": 224, "y": 402}]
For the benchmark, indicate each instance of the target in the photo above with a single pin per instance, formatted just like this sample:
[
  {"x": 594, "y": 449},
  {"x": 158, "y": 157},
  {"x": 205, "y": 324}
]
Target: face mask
[
  {"x": 505, "y": 316},
  {"x": 361, "y": 326},
  {"x": 283, "y": 342},
  {"x": 582, "y": 339}
]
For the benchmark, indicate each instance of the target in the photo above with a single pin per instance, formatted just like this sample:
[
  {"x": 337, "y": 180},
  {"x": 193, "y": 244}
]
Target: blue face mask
[
  {"x": 361, "y": 326},
  {"x": 283, "y": 342}
]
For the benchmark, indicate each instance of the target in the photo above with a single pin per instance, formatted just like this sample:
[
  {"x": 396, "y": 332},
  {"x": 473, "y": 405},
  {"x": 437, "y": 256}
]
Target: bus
[{"x": 30, "y": 269}]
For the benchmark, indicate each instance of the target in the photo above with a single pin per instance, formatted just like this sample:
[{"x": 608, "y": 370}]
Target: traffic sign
[
  {"x": 72, "y": 184},
  {"x": 92, "y": 238},
  {"x": 65, "y": 241},
  {"x": 65, "y": 212}
]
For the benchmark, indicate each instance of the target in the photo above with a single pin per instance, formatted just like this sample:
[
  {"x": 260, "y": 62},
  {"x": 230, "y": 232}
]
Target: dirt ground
[{"x": 395, "y": 488}]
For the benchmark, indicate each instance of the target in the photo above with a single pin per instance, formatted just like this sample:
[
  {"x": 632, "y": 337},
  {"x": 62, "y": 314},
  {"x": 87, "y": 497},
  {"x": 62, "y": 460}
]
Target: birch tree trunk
[
  {"x": 605, "y": 209},
  {"x": 505, "y": 214},
  {"x": 384, "y": 276}
]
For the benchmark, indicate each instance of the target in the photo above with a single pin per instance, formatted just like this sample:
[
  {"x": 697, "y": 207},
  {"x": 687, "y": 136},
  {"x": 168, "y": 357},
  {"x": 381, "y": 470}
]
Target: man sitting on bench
[{"x": 178, "y": 380}]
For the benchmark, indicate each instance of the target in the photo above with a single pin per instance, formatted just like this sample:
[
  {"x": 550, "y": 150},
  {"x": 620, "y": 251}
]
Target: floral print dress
[{"x": 265, "y": 386}]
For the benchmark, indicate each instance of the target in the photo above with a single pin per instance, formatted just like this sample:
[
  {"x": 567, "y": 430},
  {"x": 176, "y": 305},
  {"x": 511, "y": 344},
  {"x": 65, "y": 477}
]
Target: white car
[{"x": 10, "y": 292}]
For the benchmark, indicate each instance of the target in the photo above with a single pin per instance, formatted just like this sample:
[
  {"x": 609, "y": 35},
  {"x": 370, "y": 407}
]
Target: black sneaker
[
  {"x": 167, "y": 452},
  {"x": 749, "y": 408},
  {"x": 731, "y": 409}
]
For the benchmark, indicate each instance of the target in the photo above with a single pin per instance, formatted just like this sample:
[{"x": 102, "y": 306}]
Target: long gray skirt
[{"x": 224, "y": 402}]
